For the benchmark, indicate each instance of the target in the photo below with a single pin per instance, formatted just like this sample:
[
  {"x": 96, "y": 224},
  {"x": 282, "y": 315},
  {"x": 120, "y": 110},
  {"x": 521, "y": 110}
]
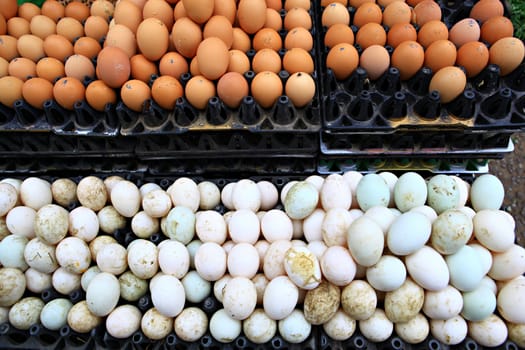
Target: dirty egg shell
[
  {"x": 92, "y": 193},
  {"x": 51, "y": 223},
  {"x": 239, "y": 297},
  {"x": 191, "y": 324},
  {"x": 143, "y": 258},
  {"x": 321, "y": 303},
  {"x": 25, "y": 313},
  {"x": 132, "y": 288},
  {"x": 302, "y": 267},
  {"x": 404, "y": 303},
  {"x": 451, "y": 331},
  {"x": 294, "y": 328},
  {"x": 259, "y": 328},
  {"x": 451, "y": 230},
  {"x": 155, "y": 325},
  {"x": 14, "y": 286}
]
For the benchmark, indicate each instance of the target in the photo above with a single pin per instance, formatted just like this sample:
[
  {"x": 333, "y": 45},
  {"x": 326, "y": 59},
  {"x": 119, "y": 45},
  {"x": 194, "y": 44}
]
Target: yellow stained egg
[
  {"x": 375, "y": 60},
  {"x": 449, "y": 82},
  {"x": 266, "y": 87}
]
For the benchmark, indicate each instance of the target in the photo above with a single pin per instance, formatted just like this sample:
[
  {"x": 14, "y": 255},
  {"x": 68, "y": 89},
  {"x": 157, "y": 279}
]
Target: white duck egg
[
  {"x": 226, "y": 195},
  {"x": 443, "y": 304},
  {"x": 88, "y": 276},
  {"x": 260, "y": 282},
  {"x": 484, "y": 255},
  {"x": 210, "y": 227},
  {"x": 276, "y": 225},
  {"x": 284, "y": 191},
  {"x": 102, "y": 294},
  {"x": 40, "y": 256},
  {"x": 464, "y": 190},
  {"x": 210, "y": 261},
  {"x": 365, "y": 241},
  {"x": 112, "y": 258},
  {"x": 239, "y": 298},
  {"x": 359, "y": 300},
  {"x": 111, "y": 181},
  {"x": 388, "y": 274},
  {"x": 269, "y": 194},
  {"x": 335, "y": 193},
  {"x": 185, "y": 192},
  {"x": 191, "y": 324},
  {"x": 340, "y": 327},
  {"x": 16, "y": 183},
  {"x": 413, "y": 331},
  {"x": 405, "y": 302},
  {"x": 244, "y": 226},
  {"x": 321, "y": 303},
  {"x": 465, "y": 269},
  {"x": 511, "y": 300},
  {"x": 65, "y": 282},
  {"x": 377, "y": 328},
  {"x": 54, "y": 314},
  {"x": 180, "y": 224},
  {"x": 335, "y": 226},
  {"x": 196, "y": 288},
  {"x": 382, "y": 216},
  {"x": 294, "y": 328},
  {"x": 317, "y": 248},
  {"x": 81, "y": 319},
  {"x": 35, "y": 193},
  {"x": 192, "y": 247},
  {"x": 13, "y": 285},
  {"x": 509, "y": 264},
  {"x": 280, "y": 297},
  {"x": 99, "y": 242},
  {"x": 143, "y": 225},
  {"x": 12, "y": 252},
  {"x": 123, "y": 321},
  {"x": 428, "y": 269},
  {"x": 410, "y": 191},
  {"x": 25, "y": 313},
  {"x": 493, "y": 230},
  {"x": 258, "y": 327},
  {"x": 218, "y": 286},
  {"x": 125, "y": 197},
  {"x": 8, "y": 198},
  {"x": 486, "y": 192},
  {"x": 273, "y": 265},
  {"x": 312, "y": 225},
  {"x": 156, "y": 203},
  {"x": 167, "y": 295},
  {"x": 478, "y": 304},
  {"x": 302, "y": 267},
  {"x": 210, "y": 195},
  {"x": 73, "y": 254},
  {"x": 223, "y": 327},
  {"x": 174, "y": 258},
  {"x": 353, "y": 178},
  {"x": 92, "y": 193},
  {"x": 372, "y": 190},
  {"x": 408, "y": 233},
  {"x": 489, "y": 332},
  {"x": 155, "y": 325},
  {"x": 442, "y": 193},
  {"x": 426, "y": 210},
  {"x": 243, "y": 260},
  {"x": 149, "y": 187},
  {"x": 143, "y": 258},
  {"x": 110, "y": 220},
  {"x": 391, "y": 180},
  {"x": 262, "y": 247},
  {"x": 132, "y": 288},
  {"x": 20, "y": 221},
  {"x": 337, "y": 265},
  {"x": 37, "y": 281},
  {"x": 301, "y": 199},
  {"x": 51, "y": 223},
  {"x": 64, "y": 192},
  {"x": 83, "y": 223}
]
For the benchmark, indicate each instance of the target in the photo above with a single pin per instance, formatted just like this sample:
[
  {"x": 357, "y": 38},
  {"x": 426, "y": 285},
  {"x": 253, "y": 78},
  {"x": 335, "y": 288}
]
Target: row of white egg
[{"x": 279, "y": 217}]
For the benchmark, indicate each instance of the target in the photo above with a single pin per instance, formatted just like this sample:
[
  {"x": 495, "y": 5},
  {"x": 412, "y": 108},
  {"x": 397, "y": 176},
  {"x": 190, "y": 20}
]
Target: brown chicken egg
[
  {"x": 198, "y": 91},
  {"x": 267, "y": 38},
  {"x": 179, "y": 11},
  {"x": 290, "y": 4},
  {"x": 28, "y": 10},
  {"x": 266, "y": 87},
  {"x": 298, "y": 60},
  {"x": 8, "y": 8},
  {"x": 299, "y": 37},
  {"x": 507, "y": 53},
  {"x": 87, "y": 46},
  {"x": 11, "y": 90},
  {"x": 485, "y": 9},
  {"x": 42, "y": 26},
  {"x": 186, "y": 36},
  {"x": 297, "y": 17},
  {"x": 30, "y": 46},
  {"x": 432, "y": 31},
  {"x": 50, "y": 69},
  {"x": 68, "y": 91},
  {"x": 274, "y": 4},
  {"x": 102, "y": 8},
  {"x": 18, "y": 26},
  {"x": 342, "y": 59},
  {"x": 241, "y": 40},
  {"x": 425, "y": 11},
  {"x": 232, "y": 87},
  {"x": 79, "y": 67},
  {"x": 375, "y": 60},
  {"x": 408, "y": 57},
  {"x": 370, "y": 34},
  {"x": 141, "y": 68},
  {"x": 439, "y": 54},
  {"x": 367, "y": 13},
  {"x": 159, "y": 9},
  {"x": 449, "y": 82},
  {"x": 220, "y": 27},
  {"x": 266, "y": 60},
  {"x": 473, "y": 57},
  {"x": 70, "y": 28},
  {"x": 496, "y": 28},
  {"x": 216, "y": 48},
  {"x": 300, "y": 89},
  {"x": 122, "y": 37},
  {"x": 53, "y": 9},
  {"x": 251, "y": 15},
  {"x": 98, "y": 95},
  {"x": 335, "y": 13},
  {"x": 239, "y": 62},
  {"x": 36, "y": 91},
  {"x": 199, "y": 10},
  {"x": 400, "y": 32},
  {"x": 273, "y": 19},
  {"x": 338, "y": 34},
  {"x": 173, "y": 64},
  {"x": 353, "y": 3},
  {"x": 22, "y": 68},
  {"x": 194, "y": 67},
  {"x": 58, "y": 47},
  {"x": 226, "y": 8},
  {"x": 134, "y": 93},
  {"x": 77, "y": 10},
  {"x": 152, "y": 38},
  {"x": 139, "y": 3},
  {"x": 3, "y": 67},
  {"x": 165, "y": 91},
  {"x": 464, "y": 31},
  {"x": 128, "y": 14},
  {"x": 113, "y": 66},
  {"x": 8, "y": 48},
  {"x": 96, "y": 27},
  {"x": 397, "y": 12}
]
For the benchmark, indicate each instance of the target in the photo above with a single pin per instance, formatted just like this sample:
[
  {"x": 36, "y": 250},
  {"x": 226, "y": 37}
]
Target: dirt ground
[{"x": 511, "y": 171}]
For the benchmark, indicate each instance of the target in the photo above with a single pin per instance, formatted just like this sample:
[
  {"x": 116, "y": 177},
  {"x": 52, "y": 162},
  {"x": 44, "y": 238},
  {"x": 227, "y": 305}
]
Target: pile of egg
[
  {"x": 377, "y": 252},
  {"x": 140, "y": 50},
  {"x": 418, "y": 37}
]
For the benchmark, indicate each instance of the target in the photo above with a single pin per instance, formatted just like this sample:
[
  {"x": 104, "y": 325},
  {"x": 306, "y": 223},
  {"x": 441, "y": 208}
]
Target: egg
[
  {"x": 294, "y": 328},
  {"x": 465, "y": 271},
  {"x": 129, "y": 14},
  {"x": 473, "y": 56},
  {"x": 232, "y": 87},
  {"x": 12, "y": 248},
  {"x": 243, "y": 260},
  {"x": 321, "y": 303},
  {"x": 266, "y": 60},
  {"x": 8, "y": 46},
  {"x": 123, "y": 321},
  {"x": 102, "y": 8},
  {"x": 335, "y": 13},
  {"x": 22, "y": 68},
  {"x": 113, "y": 66},
  {"x": 464, "y": 31},
  {"x": 152, "y": 38},
  {"x": 132, "y": 288},
  {"x": 441, "y": 53},
  {"x": 96, "y": 27},
  {"x": 280, "y": 298},
  {"x": 492, "y": 230},
  {"x": 99, "y": 95},
  {"x": 19, "y": 221},
  {"x": 225, "y": 8},
  {"x": 81, "y": 319},
  {"x": 64, "y": 281},
  {"x": 414, "y": 331},
  {"x": 135, "y": 94},
  {"x": 155, "y": 325},
  {"x": 191, "y": 324},
  {"x": 17, "y": 26},
  {"x": 298, "y": 37},
  {"x": 266, "y": 87},
  {"x": 365, "y": 252},
  {"x": 210, "y": 261},
  {"x": 68, "y": 91},
  {"x": 372, "y": 190},
  {"x": 28, "y": 10},
  {"x": 251, "y": 15},
  {"x": 486, "y": 9},
  {"x": 167, "y": 295},
  {"x": 400, "y": 32},
  {"x": 338, "y": 34},
  {"x": 443, "y": 304},
  {"x": 259, "y": 328},
  {"x": 199, "y": 11},
  {"x": 12, "y": 88},
  {"x": 13, "y": 288},
  {"x": 54, "y": 314},
  {"x": 478, "y": 304},
  {"x": 224, "y": 328},
  {"x": 377, "y": 328},
  {"x": 428, "y": 269},
  {"x": 298, "y": 60},
  {"x": 199, "y": 90},
  {"x": 35, "y": 258},
  {"x": 507, "y": 265},
  {"x": 507, "y": 53},
  {"x": 158, "y": 9},
  {"x": 239, "y": 298},
  {"x": 408, "y": 51},
  {"x": 342, "y": 59},
  {"x": 408, "y": 233},
  {"x": 112, "y": 258},
  {"x": 368, "y": 12},
  {"x": 25, "y": 313},
  {"x": 375, "y": 60},
  {"x": 509, "y": 300},
  {"x": 431, "y": 31},
  {"x": 397, "y": 12},
  {"x": 30, "y": 46},
  {"x": 52, "y": 9},
  {"x": 297, "y": 17},
  {"x": 495, "y": 28},
  {"x": 70, "y": 28},
  {"x": 404, "y": 303},
  {"x": 490, "y": 332},
  {"x": 122, "y": 37}
]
